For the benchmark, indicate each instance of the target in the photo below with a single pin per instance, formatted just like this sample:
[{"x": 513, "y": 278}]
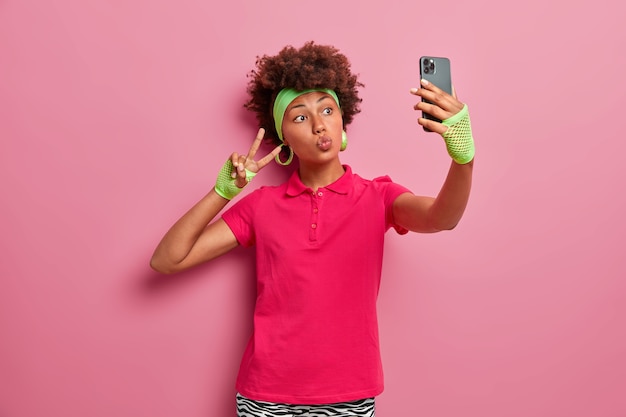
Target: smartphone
[{"x": 436, "y": 70}]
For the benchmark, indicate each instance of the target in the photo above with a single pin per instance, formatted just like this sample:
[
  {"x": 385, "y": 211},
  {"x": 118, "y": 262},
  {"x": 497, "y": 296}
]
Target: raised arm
[
  {"x": 428, "y": 214},
  {"x": 195, "y": 238}
]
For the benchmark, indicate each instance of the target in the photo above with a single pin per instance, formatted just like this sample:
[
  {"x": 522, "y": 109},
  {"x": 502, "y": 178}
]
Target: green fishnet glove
[
  {"x": 458, "y": 137},
  {"x": 225, "y": 184}
]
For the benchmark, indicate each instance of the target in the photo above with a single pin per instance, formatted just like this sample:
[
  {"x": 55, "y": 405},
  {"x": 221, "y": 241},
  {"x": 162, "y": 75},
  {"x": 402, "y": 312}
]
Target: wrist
[
  {"x": 458, "y": 137},
  {"x": 225, "y": 185}
]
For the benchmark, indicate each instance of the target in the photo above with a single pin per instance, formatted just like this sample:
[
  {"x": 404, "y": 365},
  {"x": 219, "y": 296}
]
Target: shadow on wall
[{"x": 224, "y": 339}]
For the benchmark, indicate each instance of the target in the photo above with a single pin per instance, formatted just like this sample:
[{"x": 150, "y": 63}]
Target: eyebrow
[{"x": 302, "y": 105}]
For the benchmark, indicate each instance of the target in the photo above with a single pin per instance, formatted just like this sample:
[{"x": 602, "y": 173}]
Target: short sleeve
[
  {"x": 240, "y": 219},
  {"x": 390, "y": 191}
]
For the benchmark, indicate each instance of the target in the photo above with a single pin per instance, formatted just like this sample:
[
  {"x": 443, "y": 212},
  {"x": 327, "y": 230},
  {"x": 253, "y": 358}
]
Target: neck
[{"x": 317, "y": 176}]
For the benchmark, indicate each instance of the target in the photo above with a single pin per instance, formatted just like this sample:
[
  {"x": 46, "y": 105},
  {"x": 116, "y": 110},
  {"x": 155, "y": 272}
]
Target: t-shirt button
[
  {"x": 320, "y": 194},
  {"x": 315, "y": 210},
  {"x": 313, "y": 226}
]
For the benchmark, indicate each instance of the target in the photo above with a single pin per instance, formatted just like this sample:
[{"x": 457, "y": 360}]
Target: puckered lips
[{"x": 324, "y": 143}]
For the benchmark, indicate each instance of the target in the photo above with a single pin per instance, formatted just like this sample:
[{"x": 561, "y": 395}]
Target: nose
[{"x": 318, "y": 125}]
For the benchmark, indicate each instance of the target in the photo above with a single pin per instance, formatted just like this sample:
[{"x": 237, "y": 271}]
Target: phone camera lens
[{"x": 426, "y": 70}]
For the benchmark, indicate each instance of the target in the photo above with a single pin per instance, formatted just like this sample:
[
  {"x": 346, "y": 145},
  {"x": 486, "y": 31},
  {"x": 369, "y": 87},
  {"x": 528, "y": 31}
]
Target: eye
[
  {"x": 327, "y": 110},
  {"x": 299, "y": 119}
]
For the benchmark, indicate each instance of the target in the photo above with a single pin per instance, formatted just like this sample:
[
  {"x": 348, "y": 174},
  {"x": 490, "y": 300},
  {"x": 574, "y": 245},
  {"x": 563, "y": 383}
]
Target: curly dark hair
[{"x": 311, "y": 66}]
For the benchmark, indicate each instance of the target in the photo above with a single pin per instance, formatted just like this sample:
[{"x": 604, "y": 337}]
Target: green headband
[{"x": 286, "y": 96}]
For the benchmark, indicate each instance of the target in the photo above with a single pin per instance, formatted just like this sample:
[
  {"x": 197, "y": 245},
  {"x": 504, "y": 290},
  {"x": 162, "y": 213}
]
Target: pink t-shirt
[{"x": 319, "y": 261}]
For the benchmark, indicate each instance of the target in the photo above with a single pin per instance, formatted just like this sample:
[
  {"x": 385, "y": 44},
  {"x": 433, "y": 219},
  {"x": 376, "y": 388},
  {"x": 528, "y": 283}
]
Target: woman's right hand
[{"x": 241, "y": 163}]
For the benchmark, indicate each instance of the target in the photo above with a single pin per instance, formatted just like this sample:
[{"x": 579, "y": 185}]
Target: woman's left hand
[{"x": 443, "y": 105}]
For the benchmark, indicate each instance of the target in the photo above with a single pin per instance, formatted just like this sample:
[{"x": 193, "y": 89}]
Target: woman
[{"x": 318, "y": 237}]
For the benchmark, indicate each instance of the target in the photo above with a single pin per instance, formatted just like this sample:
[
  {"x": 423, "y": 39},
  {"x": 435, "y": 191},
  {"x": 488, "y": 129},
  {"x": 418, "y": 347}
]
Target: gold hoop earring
[{"x": 288, "y": 161}]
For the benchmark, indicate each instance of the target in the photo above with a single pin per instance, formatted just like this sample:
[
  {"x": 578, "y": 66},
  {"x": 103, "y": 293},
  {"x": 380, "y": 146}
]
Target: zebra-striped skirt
[{"x": 251, "y": 408}]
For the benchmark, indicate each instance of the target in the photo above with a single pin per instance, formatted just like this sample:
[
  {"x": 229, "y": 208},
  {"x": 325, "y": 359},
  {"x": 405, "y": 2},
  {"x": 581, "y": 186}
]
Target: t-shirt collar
[{"x": 341, "y": 186}]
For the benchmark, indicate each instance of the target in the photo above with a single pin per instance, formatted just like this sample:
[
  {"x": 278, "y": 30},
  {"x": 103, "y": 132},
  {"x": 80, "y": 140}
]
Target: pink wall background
[{"x": 116, "y": 115}]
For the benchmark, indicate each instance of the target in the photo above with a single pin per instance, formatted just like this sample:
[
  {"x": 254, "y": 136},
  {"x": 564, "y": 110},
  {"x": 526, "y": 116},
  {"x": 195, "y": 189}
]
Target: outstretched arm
[
  {"x": 428, "y": 214},
  {"x": 193, "y": 239}
]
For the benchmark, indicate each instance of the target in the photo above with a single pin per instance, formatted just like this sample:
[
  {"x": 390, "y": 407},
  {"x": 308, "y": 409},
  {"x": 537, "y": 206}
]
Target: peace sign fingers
[
  {"x": 248, "y": 163},
  {"x": 255, "y": 147}
]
